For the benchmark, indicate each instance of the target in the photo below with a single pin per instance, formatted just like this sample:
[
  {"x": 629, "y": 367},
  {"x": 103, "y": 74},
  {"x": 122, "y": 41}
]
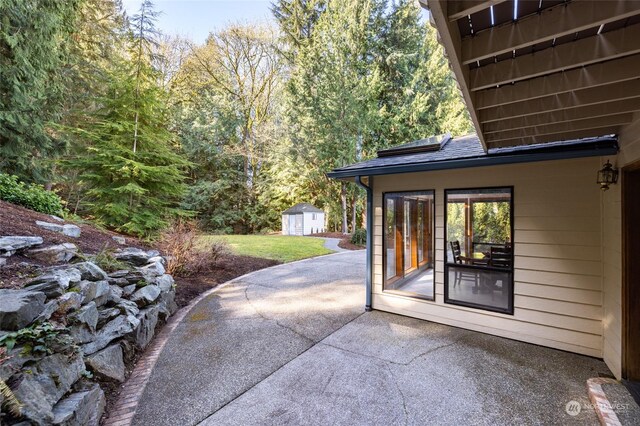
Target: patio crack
[
  {"x": 404, "y": 399},
  {"x": 200, "y": 422},
  {"x": 278, "y": 323},
  {"x": 387, "y": 360}
]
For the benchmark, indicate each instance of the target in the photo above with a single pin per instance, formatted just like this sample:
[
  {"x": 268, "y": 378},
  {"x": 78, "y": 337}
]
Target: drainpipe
[{"x": 369, "y": 275}]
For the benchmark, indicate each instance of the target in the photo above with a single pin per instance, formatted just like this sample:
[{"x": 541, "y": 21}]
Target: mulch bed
[
  {"x": 17, "y": 220},
  {"x": 225, "y": 269}
]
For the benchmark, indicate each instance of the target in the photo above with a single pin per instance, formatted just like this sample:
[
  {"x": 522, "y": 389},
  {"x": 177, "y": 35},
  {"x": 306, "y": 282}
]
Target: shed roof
[
  {"x": 302, "y": 208},
  {"x": 467, "y": 151}
]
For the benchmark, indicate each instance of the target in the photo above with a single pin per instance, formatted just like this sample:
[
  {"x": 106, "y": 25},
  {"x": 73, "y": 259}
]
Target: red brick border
[
  {"x": 125, "y": 407},
  {"x": 601, "y": 404}
]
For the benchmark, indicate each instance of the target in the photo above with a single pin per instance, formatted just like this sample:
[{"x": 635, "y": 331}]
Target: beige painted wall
[
  {"x": 558, "y": 254},
  {"x": 629, "y": 141}
]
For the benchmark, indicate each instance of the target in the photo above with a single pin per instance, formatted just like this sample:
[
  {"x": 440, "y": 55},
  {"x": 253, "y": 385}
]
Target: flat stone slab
[{"x": 68, "y": 229}]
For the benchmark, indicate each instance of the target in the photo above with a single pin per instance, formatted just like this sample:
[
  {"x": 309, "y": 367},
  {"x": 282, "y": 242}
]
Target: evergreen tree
[
  {"x": 132, "y": 175},
  {"x": 34, "y": 46}
]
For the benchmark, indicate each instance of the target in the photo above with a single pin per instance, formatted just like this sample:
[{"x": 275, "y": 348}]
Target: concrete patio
[{"x": 292, "y": 345}]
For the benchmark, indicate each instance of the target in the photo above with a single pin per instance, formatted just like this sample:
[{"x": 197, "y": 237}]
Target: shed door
[
  {"x": 292, "y": 224},
  {"x": 298, "y": 228}
]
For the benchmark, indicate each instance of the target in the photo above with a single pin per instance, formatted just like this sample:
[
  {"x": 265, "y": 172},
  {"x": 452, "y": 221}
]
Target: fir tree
[{"x": 34, "y": 46}]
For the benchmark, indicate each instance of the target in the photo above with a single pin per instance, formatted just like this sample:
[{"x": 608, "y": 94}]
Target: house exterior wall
[
  {"x": 312, "y": 225},
  {"x": 629, "y": 140},
  {"x": 557, "y": 245}
]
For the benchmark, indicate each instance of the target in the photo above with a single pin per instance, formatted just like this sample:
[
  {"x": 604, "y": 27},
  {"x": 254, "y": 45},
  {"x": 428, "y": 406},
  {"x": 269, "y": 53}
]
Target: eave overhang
[
  {"x": 533, "y": 72},
  {"x": 602, "y": 146}
]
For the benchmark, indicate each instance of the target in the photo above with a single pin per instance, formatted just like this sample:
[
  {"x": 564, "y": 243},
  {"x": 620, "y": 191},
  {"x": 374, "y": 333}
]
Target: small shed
[{"x": 302, "y": 219}]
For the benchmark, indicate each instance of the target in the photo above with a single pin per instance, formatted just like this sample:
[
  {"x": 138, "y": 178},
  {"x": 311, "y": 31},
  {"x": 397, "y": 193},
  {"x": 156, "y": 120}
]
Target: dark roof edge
[{"x": 600, "y": 147}]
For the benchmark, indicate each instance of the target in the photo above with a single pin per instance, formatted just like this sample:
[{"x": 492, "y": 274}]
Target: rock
[
  {"x": 135, "y": 256},
  {"x": 115, "y": 294},
  {"x": 64, "y": 277},
  {"x": 90, "y": 271},
  {"x": 146, "y": 295},
  {"x": 135, "y": 277},
  {"x": 81, "y": 408},
  {"x": 119, "y": 327},
  {"x": 128, "y": 290},
  {"x": 11, "y": 244},
  {"x": 165, "y": 282},
  {"x": 120, "y": 240},
  {"x": 68, "y": 230},
  {"x": 14, "y": 361},
  {"x": 48, "y": 381},
  {"x": 122, "y": 282},
  {"x": 97, "y": 291},
  {"x": 69, "y": 302},
  {"x": 87, "y": 315},
  {"x": 127, "y": 307},
  {"x": 148, "y": 321},
  {"x": 49, "y": 309},
  {"x": 58, "y": 253},
  {"x": 71, "y": 231},
  {"x": 18, "y": 308},
  {"x": 81, "y": 334},
  {"x": 160, "y": 259},
  {"x": 106, "y": 315},
  {"x": 119, "y": 274},
  {"x": 56, "y": 218},
  {"x": 167, "y": 305},
  {"x": 3, "y": 261},
  {"x": 152, "y": 270},
  {"x": 52, "y": 289},
  {"x": 108, "y": 363}
]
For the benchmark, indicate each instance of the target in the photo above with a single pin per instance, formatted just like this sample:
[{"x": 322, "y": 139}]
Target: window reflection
[
  {"x": 408, "y": 243},
  {"x": 479, "y": 267}
]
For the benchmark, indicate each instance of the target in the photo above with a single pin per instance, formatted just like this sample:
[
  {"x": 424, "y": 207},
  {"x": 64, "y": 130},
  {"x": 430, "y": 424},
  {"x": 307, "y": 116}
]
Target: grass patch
[{"x": 283, "y": 248}]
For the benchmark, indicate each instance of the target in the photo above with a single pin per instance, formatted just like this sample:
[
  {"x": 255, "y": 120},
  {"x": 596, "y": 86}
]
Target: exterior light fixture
[{"x": 607, "y": 175}]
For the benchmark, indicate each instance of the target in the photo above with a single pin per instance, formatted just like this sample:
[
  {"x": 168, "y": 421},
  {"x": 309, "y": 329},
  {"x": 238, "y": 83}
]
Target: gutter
[
  {"x": 603, "y": 147},
  {"x": 369, "y": 273}
]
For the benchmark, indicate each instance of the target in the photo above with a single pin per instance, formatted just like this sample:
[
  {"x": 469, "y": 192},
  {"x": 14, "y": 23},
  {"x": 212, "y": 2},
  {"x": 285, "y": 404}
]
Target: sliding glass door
[{"x": 409, "y": 243}]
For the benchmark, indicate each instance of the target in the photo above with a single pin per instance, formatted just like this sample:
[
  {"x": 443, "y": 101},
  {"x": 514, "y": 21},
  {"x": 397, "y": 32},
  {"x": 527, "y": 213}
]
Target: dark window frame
[
  {"x": 510, "y": 308},
  {"x": 384, "y": 250}
]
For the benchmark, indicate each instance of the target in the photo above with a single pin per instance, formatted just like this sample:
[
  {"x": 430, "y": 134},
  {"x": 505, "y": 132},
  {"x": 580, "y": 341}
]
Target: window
[
  {"x": 408, "y": 243},
  {"x": 314, "y": 216},
  {"x": 479, "y": 248}
]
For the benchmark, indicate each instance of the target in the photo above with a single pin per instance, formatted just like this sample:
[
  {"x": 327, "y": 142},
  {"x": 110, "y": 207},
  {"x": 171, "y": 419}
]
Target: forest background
[{"x": 133, "y": 128}]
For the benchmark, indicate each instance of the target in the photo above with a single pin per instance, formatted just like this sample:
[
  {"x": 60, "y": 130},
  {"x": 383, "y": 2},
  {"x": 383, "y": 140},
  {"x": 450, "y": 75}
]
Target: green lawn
[{"x": 277, "y": 247}]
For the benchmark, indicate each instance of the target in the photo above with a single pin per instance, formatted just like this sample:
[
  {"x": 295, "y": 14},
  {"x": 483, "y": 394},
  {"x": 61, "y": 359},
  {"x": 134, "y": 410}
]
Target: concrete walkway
[
  {"x": 332, "y": 244},
  {"x": 290, "y": 345}
]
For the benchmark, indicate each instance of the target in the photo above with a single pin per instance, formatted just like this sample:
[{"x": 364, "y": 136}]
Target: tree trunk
[
  {"x": 343, "y": 199},
  {"x": 354, "y": 213}
]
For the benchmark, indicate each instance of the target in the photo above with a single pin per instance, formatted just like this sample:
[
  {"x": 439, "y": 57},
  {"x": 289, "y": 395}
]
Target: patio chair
[
  {"x": 501, "y": 257},
  {"x": 459, "y": 273}
]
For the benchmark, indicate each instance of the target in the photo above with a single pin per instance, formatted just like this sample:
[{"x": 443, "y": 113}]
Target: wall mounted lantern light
[{"x": 607, "y": 175}]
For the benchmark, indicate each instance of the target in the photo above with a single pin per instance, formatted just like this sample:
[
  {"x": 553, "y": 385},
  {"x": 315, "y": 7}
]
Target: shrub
[
  {"x": 185, "y": 255},
  {"x": 359, "y": 237},
  {"x": 107, "y": 262},
  {"x": 32, "y": 196}
]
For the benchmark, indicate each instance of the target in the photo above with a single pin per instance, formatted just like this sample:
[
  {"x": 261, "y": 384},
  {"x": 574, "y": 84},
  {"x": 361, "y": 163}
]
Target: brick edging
[
  {"x": 125, "y": 407},
  {"x": 601, "y": 404}
]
